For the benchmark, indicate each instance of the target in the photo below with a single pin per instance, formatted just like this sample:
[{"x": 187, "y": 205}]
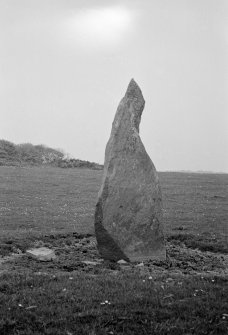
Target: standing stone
[{"x": 129, "y": 208}]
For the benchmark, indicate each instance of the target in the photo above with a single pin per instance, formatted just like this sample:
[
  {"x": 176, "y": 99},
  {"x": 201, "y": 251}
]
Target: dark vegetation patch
[
  {"x": 58, "y": 241},
  {"x": 39, "y": 155},
  {"x": 73, "y": 248},
  {"x": 203, "y": 242}
]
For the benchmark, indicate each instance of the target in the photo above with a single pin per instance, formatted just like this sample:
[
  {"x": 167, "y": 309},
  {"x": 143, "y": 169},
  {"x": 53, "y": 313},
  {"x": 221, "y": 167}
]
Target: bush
[{"x": 29, "y": 154}]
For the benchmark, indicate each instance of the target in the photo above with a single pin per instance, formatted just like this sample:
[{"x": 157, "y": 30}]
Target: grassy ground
[
  {"x": 51, "y": 207},
  {"x": 78, "y": 293},
  {"x": 54, "y": 199},
  {"x": 79, "y": 304},
  {"x": 37, "y": 200}
]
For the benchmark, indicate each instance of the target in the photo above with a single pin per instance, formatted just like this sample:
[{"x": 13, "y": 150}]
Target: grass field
[
  {"x": 54, "y": 199},
  {"x": 54, "y": 207}
]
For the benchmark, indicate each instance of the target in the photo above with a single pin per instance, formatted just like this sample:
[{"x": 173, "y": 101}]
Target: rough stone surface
[
  {"x": 129, "y": 209},
  {"x": 41, "y": 254}
]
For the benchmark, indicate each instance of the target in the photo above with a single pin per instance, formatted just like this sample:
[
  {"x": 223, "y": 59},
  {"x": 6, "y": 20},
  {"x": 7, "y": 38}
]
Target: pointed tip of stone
[
  {"x": 132, "y": 81},
  {"x": 133, "y": 90},
  {"x": 133, "y": 85}
]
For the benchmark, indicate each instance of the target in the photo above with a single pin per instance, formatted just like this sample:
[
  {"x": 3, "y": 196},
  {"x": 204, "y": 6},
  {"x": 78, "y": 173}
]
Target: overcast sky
[{"x": 66, "y": 64}]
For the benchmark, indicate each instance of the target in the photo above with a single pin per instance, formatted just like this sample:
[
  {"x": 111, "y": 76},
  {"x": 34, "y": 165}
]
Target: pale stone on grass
[
  {"x": 41, "y": 254},
  {"x": 122, "y": 262},
  {"x": 128, "y": 213}
]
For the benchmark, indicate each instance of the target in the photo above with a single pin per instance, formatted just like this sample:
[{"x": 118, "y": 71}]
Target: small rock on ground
[{"x": 41, "y": 254}]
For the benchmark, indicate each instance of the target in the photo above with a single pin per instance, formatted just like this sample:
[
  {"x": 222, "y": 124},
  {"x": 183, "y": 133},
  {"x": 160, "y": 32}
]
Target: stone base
[{"x": 159, "y": 255}]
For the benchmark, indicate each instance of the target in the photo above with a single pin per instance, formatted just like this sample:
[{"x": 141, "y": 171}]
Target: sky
[{"x": 66, "y": 64}]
